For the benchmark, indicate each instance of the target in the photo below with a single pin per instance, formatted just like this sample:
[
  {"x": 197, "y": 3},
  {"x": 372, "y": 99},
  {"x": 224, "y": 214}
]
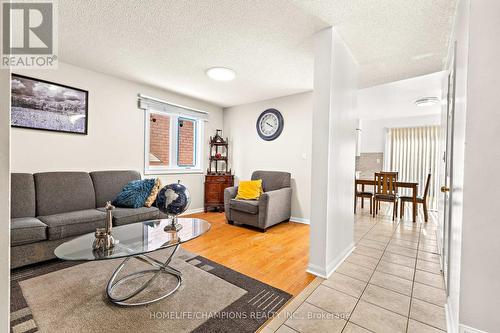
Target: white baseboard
[
  {"x": 316, "y": 270},
  {"x": 299, "y": 220},
  {"x": 201, "y": 210},
  {"x": 325, "y": 273},
  {"x": 193, "y": 211},
  {"x": 450, "y": 323},
  {"x": 468, "y": 329}
]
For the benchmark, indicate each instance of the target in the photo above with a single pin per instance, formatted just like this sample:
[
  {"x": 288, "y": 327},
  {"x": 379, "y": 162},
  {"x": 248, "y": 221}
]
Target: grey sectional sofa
[{"x": 50, "y": 208}]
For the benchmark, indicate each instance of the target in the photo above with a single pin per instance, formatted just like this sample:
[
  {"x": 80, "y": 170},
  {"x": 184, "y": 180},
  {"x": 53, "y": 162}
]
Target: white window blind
[
  {"x": 151, "y": 103},
  {"x": 414, "y": 152}
]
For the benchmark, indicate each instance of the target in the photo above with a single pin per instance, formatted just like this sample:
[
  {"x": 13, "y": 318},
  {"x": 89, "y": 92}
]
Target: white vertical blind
[
  {"x": 414, "y": 152},
  {"x": 151, "y": 103}
]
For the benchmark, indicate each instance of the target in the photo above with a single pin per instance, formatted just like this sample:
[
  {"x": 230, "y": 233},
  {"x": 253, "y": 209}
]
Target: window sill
[{"x": 173, "y": 172}]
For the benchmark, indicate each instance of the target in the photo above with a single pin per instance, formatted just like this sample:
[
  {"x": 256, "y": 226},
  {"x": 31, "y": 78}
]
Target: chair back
[
  {"x": 427, "y": 183},
  {"x": 272, "y": 180},
  {"x": 385, "y": 183}
]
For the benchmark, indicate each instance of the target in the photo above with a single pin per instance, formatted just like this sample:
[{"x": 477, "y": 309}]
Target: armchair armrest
[
  {"x": 274, "y": 207},
  {"x": 229, "y": 193}
]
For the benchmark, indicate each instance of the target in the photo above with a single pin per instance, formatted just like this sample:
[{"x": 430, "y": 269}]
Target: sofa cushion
[
  {"x": 25, "y": 230},
  {"x": 273, "y": 180},
  {"x": 22, "y": 194},
  {"x": 108, "y": 184},
  {"x": 61, "y": 192},
  {"x": 73, "y": 223},
  {"x": 123, "y": 216},
  {"x": 246, "y": 206}
]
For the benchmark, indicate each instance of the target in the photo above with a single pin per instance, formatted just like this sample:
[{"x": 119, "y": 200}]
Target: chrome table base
[{"x": 158, "y": 269}]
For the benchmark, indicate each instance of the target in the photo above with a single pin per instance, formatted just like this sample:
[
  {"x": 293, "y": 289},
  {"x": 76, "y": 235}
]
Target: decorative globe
[{"x": 173, "y": 199}]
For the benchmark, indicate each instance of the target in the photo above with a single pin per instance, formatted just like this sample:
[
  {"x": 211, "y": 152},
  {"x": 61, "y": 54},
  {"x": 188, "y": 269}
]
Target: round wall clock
[{"x": 270, "y": 124}]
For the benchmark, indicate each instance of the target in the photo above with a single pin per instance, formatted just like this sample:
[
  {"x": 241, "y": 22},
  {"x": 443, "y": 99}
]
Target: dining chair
[
  {"x": 363, "y": 195},
  {"x": 420, "y": 200},
  {"x": 386, "y": 190}
]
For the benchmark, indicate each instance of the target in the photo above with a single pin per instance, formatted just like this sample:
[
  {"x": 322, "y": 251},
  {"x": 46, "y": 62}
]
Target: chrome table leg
[{"x": 158, "y": 268}]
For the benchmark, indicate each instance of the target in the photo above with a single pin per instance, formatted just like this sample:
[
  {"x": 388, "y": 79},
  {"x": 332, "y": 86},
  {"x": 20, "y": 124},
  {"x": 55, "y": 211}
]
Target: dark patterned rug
[{"x": 248, "y": 309}]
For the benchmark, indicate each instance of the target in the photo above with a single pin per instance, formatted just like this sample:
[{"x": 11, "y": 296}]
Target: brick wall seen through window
[
  {"x": 186, "y": 129},
  {"x": 159, "y": 140}
]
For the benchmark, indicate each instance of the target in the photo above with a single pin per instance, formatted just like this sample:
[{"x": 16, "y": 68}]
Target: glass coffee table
[{"x": 135, "y": 241}]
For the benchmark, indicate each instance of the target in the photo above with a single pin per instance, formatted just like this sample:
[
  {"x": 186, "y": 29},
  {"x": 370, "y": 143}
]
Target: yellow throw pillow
[
  {"x": 154, "y": 192},
  {"x": 249, "y": 189}
]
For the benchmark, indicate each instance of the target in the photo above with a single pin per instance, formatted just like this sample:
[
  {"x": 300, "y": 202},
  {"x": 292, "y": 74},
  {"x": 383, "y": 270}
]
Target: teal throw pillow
[{"x": 134, "y": 194}]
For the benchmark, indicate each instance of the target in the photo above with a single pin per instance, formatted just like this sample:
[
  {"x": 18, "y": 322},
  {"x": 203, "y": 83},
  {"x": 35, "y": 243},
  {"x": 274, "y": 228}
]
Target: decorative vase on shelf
[{"x": 218, "y": 155}]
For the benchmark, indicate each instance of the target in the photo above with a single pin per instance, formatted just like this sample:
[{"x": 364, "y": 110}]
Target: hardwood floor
[{"x": 277, "y": 257}]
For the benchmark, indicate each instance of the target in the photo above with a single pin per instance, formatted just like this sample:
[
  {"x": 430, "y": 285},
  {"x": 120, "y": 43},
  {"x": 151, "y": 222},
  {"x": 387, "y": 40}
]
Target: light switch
[
  {"x": 378, "y": 160},
  {"x": 304, "y": 156}
]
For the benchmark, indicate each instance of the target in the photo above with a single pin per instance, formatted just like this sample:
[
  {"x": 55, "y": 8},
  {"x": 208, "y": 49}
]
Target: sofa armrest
[
  {"x": 274, "y": 207},
  {"x": 229, "y": 193}
]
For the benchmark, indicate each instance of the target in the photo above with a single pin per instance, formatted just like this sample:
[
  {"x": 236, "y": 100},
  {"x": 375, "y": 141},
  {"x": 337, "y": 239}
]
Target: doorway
[{"x": 445, "y": 207}]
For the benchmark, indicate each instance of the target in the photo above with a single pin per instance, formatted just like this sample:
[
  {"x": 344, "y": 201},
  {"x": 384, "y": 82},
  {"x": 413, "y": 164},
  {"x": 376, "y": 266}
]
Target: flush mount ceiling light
[
  {"x": 423, "y": 56},
  {"x": 221, "y": 73},
  {"x": 427, "y": 101}
]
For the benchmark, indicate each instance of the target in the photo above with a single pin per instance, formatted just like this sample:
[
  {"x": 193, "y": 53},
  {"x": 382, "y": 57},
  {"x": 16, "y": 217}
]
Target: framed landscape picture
[{"x": 49, "y": 106}]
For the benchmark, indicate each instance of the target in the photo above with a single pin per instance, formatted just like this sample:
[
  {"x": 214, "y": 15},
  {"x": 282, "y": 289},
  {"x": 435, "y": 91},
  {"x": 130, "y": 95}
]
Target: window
[
  {"x": 186, "y": 139},
  {"x": 173, "y": 140},
  {"x": 159, "y": 140},
  {"x": 414, "y": 153}
]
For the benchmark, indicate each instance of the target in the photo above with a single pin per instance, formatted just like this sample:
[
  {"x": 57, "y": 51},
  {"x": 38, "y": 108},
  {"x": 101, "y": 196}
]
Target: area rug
[{"x": 62, "y": 296}]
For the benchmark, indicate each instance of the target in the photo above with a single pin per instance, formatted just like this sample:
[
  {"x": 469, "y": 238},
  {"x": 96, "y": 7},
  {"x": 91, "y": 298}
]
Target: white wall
[
  {"x": 333, "y": 154},
  {"x": 480, "y": 260},
  {"x": 373, "y": 130},
  {"x": 4, "y": 199},
  {"x": 115, "y": 137},
  {"x": 290, "y": 152}
]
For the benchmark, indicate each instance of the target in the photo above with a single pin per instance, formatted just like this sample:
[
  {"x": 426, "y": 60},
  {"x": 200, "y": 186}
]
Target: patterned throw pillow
[
  {"x": 154, "y": 192},
  {"x": 134, "y": 194}
]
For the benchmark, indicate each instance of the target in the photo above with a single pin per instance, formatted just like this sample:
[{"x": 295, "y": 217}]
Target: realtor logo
[{"x": 28, "y": 34}]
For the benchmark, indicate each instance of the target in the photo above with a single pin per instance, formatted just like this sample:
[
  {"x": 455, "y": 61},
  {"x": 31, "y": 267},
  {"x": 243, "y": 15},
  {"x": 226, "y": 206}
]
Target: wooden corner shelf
[{"x": 218, "y": 177}]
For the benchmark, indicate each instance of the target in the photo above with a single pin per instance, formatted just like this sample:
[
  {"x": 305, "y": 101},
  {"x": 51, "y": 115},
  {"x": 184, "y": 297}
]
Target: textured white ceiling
[
  {"x": 170, "y": 43},
  {"x": 397, "y": 99}
]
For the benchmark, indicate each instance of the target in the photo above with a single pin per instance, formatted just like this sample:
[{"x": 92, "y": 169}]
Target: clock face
[{"x": 270, "y": 124}]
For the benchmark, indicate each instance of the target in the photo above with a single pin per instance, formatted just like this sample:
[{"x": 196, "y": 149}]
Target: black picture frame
[
  {"x": 281, "y": 125},
  {"x": 15, "y": 123}
]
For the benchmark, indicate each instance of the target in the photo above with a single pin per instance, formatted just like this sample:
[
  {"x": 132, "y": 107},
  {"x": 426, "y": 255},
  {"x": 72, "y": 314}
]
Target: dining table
[{"x": 399, "y": 183}]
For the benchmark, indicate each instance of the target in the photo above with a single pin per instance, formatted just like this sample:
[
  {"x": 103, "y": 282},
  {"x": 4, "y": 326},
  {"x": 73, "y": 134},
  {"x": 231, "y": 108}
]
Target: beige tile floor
[{"x": 391, "y": 282}]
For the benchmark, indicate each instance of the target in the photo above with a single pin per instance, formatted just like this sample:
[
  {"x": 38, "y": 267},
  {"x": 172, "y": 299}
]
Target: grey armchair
[{"x": 273, "y": 206}]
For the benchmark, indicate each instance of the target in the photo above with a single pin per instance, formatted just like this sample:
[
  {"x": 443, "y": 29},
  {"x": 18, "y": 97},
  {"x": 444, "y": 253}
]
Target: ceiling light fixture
[
  {"x": 427, "y": 101},
  {"x": 423, "y": 56},
  {"x": 221, "y": 73}
]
